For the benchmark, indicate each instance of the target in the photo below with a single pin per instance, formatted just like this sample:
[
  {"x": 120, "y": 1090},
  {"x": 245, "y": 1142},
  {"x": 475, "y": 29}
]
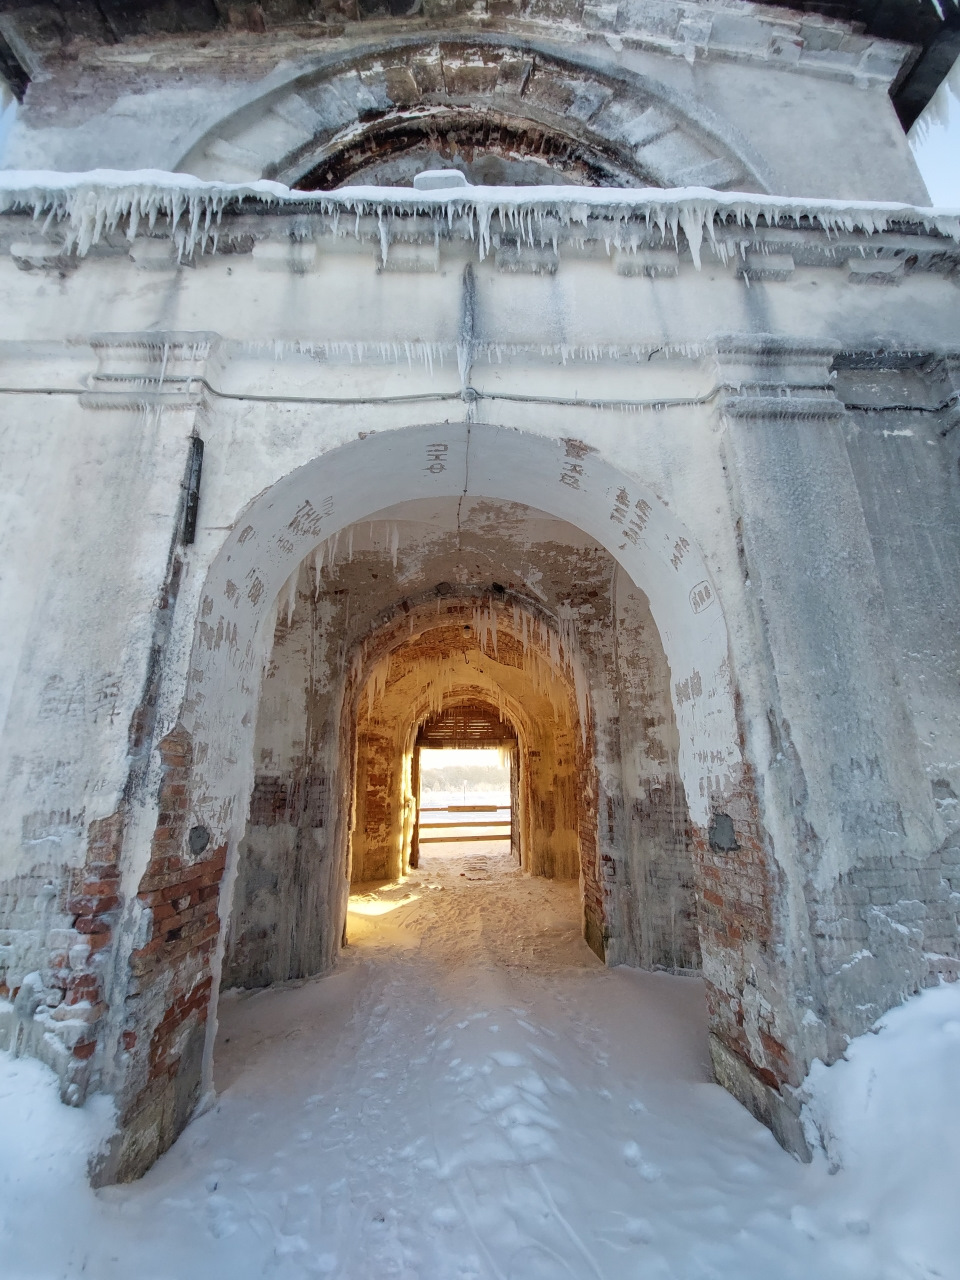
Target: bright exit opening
[{"x": 465, "y": 795}]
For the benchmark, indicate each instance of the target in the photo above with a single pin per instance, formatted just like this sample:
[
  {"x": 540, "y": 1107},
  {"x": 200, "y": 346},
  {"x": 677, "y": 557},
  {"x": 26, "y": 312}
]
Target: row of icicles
[{"x": 189, "y": 210}]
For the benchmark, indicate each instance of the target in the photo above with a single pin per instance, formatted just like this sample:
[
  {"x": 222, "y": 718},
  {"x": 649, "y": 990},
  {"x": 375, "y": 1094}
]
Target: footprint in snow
[
  {"x": 506, "y": 1058},
  {"x": 323, "y": 1265},
  {"x": 288, "y": 1246},
  {"x": 531, "y": 1142},
  {"x": 501, "y": 1098},
  {"x": 544, "y": 1055},
  {"x": 638, "y": 1231},
  {"x": 561, "y": 1086},
  {"x": 805, "y": 1222},
  {"x": 533, "y": 1084},
  {"x": 856, "y": 1225},
  {"x": 521, "y": 1114},
  {"x": 445, "y": 1216},
  {"x": 633, "y": 1158},
  {"x": 221, "y": 1219}
]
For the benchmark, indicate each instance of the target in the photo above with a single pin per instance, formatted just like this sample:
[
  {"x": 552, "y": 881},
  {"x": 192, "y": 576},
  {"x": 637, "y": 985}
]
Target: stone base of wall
[
  {"x": 593, "y": 935},
  {"x": 780, "y": 1112}
]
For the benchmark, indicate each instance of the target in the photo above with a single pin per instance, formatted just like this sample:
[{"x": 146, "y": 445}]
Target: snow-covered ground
[{"x": 473, "y": 1095}]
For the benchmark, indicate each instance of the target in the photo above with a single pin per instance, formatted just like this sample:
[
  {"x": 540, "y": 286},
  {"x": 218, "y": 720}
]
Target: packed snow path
[{"x": 471, "y": 1095}]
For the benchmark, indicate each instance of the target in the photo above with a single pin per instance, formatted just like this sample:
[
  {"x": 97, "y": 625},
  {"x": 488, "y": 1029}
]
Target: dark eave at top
[{"x": 48, "y": 23}]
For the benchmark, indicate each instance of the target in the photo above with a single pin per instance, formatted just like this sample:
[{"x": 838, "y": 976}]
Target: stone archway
[
  {"x": 504, "y": 108},
  {"x": 212, "y": 769}
]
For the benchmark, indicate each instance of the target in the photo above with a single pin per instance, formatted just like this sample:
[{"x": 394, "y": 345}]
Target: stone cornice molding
[{"x": 740, "y": 378}]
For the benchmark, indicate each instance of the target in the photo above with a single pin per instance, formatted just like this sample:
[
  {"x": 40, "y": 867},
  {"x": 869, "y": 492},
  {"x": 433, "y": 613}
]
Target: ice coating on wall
[{"x": 91, "y": 205}]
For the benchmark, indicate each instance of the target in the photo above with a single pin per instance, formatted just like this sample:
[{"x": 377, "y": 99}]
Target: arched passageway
[
  {"x": 366, "y": 650},
  {"x": 355, "y": 556},
  {"x": 468, "y": 743}
]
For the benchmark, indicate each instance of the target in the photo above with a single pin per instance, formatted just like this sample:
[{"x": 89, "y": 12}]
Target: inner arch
[{"x": 490, "y": 147}]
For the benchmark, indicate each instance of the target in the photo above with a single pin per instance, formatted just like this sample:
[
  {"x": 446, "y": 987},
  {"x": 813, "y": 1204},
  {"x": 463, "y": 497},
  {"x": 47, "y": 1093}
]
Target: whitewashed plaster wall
[
  {"x": 745, "y": 448},
  {"x": 261, "y": 441},
  {"x": 248, "y": 444}
]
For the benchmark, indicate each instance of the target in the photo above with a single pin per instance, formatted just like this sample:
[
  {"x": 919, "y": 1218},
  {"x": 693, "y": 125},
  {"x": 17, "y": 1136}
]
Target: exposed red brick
[{"x": 182, "y": 895}]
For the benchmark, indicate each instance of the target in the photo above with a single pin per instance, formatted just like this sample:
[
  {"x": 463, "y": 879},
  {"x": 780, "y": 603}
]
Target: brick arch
[
  {"x": 476, "y": 721},
  {"x": 575, "y": 112}
]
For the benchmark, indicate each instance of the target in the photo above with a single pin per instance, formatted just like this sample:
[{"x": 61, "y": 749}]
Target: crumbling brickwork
[
  {"x": 54, "y": 953},
  {"x": 168, "y": 990}
]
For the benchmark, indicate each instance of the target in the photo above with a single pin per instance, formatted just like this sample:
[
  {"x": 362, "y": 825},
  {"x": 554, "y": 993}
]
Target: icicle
[
  {"x": 93, "y": 205},
  {"x": 287, "y": 599}
]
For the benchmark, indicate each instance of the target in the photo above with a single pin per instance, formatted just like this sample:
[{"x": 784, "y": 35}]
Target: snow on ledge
[{"x": 95, "y": 203}]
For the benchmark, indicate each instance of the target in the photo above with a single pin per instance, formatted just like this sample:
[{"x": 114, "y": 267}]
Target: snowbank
[
  {"x": 889, "y": 1118},
  {"x": 46, "y": 1205}
]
